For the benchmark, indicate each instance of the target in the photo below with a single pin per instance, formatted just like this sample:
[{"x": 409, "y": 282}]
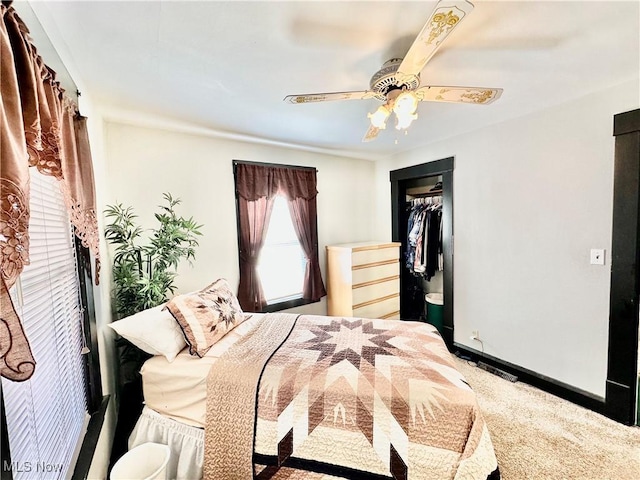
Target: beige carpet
[{"x": 539, "y": 436}]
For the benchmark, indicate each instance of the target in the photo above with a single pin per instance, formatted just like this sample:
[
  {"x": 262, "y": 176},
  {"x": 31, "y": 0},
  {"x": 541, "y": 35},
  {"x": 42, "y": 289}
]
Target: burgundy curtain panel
[
  {"x": 303, "y": 213},
  {"x": 257, "y": 186},
  {"x": 254, "y": 219},
  {"x": 40, "y": 127}
]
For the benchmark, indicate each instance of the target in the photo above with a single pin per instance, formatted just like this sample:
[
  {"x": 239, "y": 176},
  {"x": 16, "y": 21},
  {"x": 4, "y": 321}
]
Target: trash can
[
  {"x": 144, "y": 462},
  {"x": 435, "y": 302}
]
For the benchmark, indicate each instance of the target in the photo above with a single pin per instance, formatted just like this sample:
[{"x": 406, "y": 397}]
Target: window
[
  {"x": 277, "y": 236},
  {"x": 282, "y": 261},
  {"x": 46, "y": 415}
]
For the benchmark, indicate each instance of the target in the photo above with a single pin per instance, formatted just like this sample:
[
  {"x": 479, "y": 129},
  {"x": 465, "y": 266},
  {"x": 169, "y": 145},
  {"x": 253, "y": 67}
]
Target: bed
[{"x": 306, "y": 396}]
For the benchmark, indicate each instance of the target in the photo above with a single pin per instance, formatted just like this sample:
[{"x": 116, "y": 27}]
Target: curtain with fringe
[{"x": 40, "y": 127}]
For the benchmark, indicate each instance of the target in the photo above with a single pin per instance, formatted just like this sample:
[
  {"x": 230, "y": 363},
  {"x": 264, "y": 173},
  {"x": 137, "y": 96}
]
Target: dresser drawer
[
  {"x": 392, "y": 316},
  {"x": 369, "y": 274},
  {"x": 379, "y": 309},
  {"x": 374, "y": 291},
  {"x": 374, "y": 255}
]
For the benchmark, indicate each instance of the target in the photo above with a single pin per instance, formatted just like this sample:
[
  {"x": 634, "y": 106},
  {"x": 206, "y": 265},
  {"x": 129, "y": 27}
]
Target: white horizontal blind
[{"x": 46, "y": 414}]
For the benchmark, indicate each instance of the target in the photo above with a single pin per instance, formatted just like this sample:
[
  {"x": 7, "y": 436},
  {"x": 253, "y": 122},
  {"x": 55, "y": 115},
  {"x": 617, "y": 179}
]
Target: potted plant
[{"x": 144, "y": 275}]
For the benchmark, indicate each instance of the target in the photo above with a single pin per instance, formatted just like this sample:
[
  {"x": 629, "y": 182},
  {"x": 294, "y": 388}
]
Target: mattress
[{"x": 178, "y": 390}]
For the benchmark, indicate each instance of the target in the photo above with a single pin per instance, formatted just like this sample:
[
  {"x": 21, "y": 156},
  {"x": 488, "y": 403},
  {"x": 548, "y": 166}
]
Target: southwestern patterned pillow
[{"x": 207, "y": 315}]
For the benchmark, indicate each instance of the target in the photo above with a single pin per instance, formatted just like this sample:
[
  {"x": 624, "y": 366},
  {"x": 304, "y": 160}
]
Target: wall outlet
[
  {"x": 597, "y": 256},
  {"x": 475, "y": 335}
]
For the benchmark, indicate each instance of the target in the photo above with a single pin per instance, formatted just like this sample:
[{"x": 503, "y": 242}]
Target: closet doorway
[{"x": 424, "y": 181}]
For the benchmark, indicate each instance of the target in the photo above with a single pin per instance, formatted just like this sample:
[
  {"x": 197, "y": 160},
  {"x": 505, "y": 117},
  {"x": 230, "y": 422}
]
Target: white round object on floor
[{"x": 144, "y": 462}]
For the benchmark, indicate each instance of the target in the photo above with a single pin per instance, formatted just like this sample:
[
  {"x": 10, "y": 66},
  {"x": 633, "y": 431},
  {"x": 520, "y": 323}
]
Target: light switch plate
[{"x": 597, "y": 256}]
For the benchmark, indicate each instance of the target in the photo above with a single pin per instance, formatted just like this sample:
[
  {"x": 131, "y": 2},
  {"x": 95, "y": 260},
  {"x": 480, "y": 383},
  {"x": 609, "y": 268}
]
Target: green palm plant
[{"x": 144, "y": 275}]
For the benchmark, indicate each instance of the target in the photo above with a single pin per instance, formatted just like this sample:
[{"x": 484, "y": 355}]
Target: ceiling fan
[{"x": 397, "y": 83}]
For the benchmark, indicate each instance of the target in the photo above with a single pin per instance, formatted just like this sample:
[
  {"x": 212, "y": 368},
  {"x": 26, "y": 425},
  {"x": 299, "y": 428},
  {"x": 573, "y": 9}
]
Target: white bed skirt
[{"x": 186, "y": 443}]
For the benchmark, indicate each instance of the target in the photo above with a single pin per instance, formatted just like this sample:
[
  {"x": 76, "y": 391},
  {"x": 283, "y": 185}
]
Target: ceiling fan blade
[
  {"x": 371, "y": 134},
  {"x": 477, "y": 95},
  {"x": 445, "y": 17},
  {"x": 325, "y": 97}
]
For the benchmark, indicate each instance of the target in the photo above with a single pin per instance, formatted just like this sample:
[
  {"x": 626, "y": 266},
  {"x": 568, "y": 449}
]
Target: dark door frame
[
  {"x": 401, "y": 180},
  {"x": 621, "y": 387}
]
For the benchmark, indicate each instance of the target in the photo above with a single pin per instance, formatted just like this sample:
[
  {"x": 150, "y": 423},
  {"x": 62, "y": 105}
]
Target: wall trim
[
  {"x": 547, "y": 384},
  {"x": 88, "y": 448},
  {"x": 622, "y": 361},
  {"x": 5, "y": 473},
  {"x": 412, "y": 176},
  {"x": 146, "y": 120}
]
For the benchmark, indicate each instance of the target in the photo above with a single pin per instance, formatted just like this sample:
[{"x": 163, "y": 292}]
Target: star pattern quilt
[{"x": 352, "y": 398}]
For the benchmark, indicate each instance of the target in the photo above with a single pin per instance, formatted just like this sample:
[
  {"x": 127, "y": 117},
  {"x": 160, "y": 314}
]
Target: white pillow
[{"x": 154, "y": 330}]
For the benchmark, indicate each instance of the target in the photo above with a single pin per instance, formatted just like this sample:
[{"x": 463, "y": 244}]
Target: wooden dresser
[{"x": 364, "y": 280}]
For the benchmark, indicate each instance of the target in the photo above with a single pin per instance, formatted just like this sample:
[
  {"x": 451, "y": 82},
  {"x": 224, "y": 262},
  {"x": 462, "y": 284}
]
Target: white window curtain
[{"x": 47, "y": 414}]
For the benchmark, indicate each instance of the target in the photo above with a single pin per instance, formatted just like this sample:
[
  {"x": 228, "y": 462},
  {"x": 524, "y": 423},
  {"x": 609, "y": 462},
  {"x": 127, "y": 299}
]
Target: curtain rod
[{"x": 276, "y": 165}]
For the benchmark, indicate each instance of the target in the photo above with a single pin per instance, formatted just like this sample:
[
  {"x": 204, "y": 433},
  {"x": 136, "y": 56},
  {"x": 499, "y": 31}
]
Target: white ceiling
[{"x": 226, "y": 66}]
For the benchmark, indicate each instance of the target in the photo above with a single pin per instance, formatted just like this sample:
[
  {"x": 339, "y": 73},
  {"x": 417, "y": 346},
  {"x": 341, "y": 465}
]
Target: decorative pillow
[
  {"x": 206, "y": 316},
  {"x": 154, "y": 330}
]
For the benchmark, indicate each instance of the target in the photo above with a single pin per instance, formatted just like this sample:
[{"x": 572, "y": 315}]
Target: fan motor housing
[{"x": 385, "y": 79}]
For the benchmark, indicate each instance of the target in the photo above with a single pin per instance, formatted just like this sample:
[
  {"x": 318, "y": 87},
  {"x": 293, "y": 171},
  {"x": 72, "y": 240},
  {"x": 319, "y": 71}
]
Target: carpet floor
[{"x": 537, "y": 435}]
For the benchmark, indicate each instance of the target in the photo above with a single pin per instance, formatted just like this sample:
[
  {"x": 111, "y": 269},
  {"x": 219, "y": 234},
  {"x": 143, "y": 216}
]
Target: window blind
[{"x": 46, "y": 414}]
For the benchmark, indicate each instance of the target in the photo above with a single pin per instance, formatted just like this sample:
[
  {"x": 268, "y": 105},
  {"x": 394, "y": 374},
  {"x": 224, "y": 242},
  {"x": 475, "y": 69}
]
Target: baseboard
[
  {"x": 618, "y": 407},
  {"x": 90, "y": 441},
  {"x": 555, "y": 387}
]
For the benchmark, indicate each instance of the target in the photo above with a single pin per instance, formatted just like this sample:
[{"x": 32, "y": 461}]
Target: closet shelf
[{"x": 432, "y": 193}]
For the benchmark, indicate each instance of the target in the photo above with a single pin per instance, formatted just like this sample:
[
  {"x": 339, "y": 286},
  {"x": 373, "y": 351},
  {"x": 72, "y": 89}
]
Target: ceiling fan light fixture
[
  {"x": 397, "y": 83},
  {"x": 404, "y": 120},
  {"x": 379, "y": 117},
  {"x": 406, "y": 103}
]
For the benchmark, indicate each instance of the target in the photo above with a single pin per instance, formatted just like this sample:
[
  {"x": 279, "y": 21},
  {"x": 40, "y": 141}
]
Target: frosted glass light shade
[
  {"x": 379, "y": 117},
  {"x": 403, "y": 120},
  {"x": 406, "y": 103}
]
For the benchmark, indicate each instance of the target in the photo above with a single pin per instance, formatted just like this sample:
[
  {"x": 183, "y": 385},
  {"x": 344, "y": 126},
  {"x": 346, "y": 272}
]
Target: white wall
[
  {"x": 532, "y": 196},
  {"x": 145, "y": 162},
  {"x": 102, "y": 295}
]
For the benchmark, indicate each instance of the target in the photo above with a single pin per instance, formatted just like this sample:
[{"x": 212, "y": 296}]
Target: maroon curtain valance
[
  {"x": 255, "y": 181},
  {"x": 40, "y": 127},
  {"x": 254, "y": 220}
]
